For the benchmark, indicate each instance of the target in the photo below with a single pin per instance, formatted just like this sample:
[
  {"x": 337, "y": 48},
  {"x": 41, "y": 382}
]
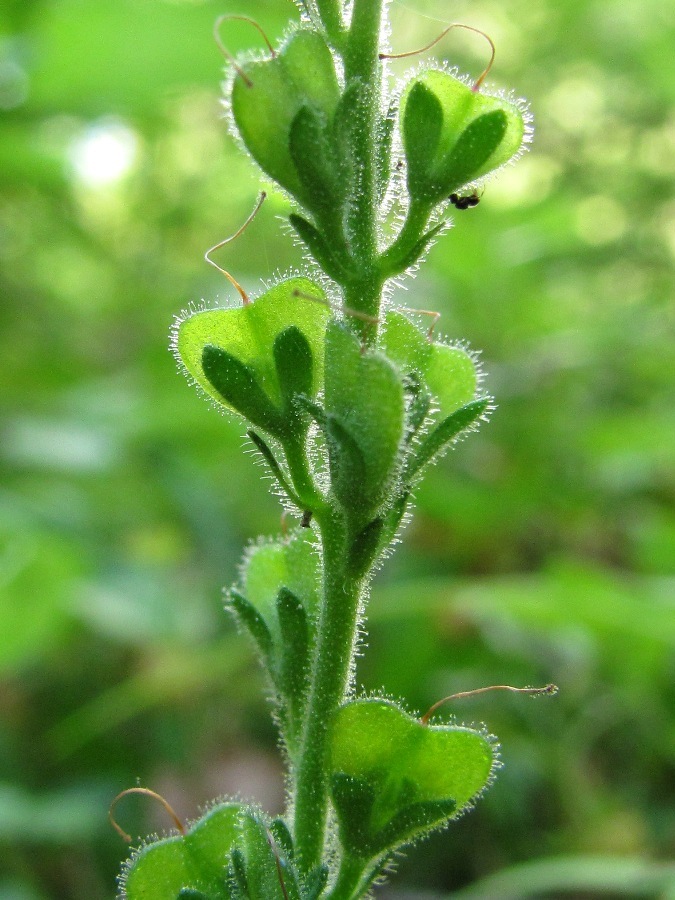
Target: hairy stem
[
  {"x": 365, "y": 297},
  {"x": 330, "y": 13},
  {"x": 349, "y": 879},
  {"x": 341, "y": 591},
  {"x": 363, "y": 47},
  {"x": 301, "y": 476},
  {"x": 363, "y": 67},
  {"x": 329, "y": 684},
  {"x": 397, "y": 257}
]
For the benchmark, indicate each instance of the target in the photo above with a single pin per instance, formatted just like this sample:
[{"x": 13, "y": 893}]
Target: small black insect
[{"x": 465, "y": 202}]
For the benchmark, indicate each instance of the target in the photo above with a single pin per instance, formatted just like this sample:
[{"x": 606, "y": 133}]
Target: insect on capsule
[{"x": 464, "y": 202}]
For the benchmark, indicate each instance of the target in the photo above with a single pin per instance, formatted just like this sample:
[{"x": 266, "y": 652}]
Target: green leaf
[
  {"x": 248, "y": 334},
  {"x": 323, "y": 252},
  {"x": 449, "y": 372},
  {"x": 269, "y": 875},
  {"x": 356, "y": 799},
  {"x": 410, "y": 257},
  {"x": 294, "y": 362},
  {"x": 282, "y": 836},
  {"x": 254, "y": 623},
  {"x": 195, "y": 861},
  {"x": 347, "y": 465},
  {"x": 419, "y": 403},
  {"x": 274, "y": 467},
  {"x": 445, "y": 433},
  {"x": 268, "y": 94},
  {"x": 196, "y": 865},
  {"x": 278, "y": 604},
  {"x": 315, "y": 883},
  {"x": 475, "y": 146},
  {"x": 393, "y": 517},
  {"x": 238, "y": 387},
  {"x": 365, "y": 547},
  {"x": 312, "y": 155},
  {"x": 393, "y": 778},
  {"x": 422, "y": 123},
  {"x": 238, "y": 878},
  {"x": 295, "y": 637},
  {"x": 364, "y": 395},
  {"x": 415, "y": 819}
]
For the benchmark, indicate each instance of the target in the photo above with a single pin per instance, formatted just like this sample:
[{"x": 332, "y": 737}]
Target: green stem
[
  {"x": 328, "y": 688},
  {"x": 363, "y": 46},
  {"x": 301, "y": 476},
  {"x": 330, "y": 13},
  {"x": 274, "y": 467},
  {"x": 397, "y": 257},
  {"x": 348, "y": 880},
  {"x": 363, "y": 67},
  {"x": 364, "y": 297},
  {"x": 337, "y": 626}
]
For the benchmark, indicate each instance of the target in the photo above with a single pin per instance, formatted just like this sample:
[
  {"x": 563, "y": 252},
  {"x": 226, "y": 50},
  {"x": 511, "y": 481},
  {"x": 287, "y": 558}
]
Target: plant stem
[
  {"x": 301, "y": 476},
  {"x": 337, "y": 626},
  {"x": 413, "y": 227},
  {"x": 349, "y": 878},
  {"x": 364, "y": 296},
  {"x": 329, "y": 684},
  {"x": 363, "y": 46},
  {"x": 363, "y": 67},
  {"x": 330, "y": 14}
]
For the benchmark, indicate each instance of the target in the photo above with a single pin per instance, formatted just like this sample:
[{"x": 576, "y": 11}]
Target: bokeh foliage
[{"x": 542, "y": 550}]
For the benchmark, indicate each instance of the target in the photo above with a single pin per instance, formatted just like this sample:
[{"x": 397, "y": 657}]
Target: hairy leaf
[
  {"x": 237, "y": 385},
  {"x": 445, "y": 433},
  {"x": 449, "y": 372},
  {"x": 422, "y": 123},
  {"x": 269, "y": 875},
  {"x": 253, "y": 621},
  {"x": 314, "y": 162},
  {"x": 295, "y": 366},
  {"x": 364, "y": 394},
  {"x": 295, "y": 645},
  {"x": 393, "y": 777},
  {"x": 290, "y": 563},
  {"x": 323, "y": 251}
]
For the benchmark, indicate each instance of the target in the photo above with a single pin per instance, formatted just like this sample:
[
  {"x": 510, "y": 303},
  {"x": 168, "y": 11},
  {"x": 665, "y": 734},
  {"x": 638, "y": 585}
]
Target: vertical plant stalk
[
  {"x": 416, "y": 221},
  {"x": 328, "y": 687},
  {"x": 341, "y": 592},
  {"x": 330, "y": 13},
  {"x": 349, "y": 878},
  {"x": 362, "y": 64}
]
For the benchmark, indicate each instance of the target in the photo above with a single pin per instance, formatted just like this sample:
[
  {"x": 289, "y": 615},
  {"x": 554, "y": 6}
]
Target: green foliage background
[{"x": 542, "y": 548}]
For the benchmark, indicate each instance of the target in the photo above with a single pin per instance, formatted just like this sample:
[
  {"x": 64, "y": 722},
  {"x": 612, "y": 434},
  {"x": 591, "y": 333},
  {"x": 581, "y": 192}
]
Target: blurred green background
[{"x": 542, "y": 548}]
